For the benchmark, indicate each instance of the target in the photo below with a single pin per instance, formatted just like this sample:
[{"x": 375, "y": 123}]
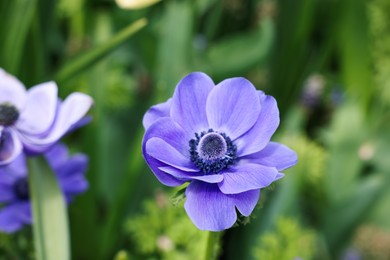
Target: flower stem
[
  {"x": 50, "y": 222},
  {"x": 212, "y": 246}
]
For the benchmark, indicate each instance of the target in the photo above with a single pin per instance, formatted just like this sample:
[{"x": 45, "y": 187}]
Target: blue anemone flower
[
  {"x": 217, "y": 138},
  {"x": 14, "y": 189},
  {"x": 33, "y": 120}
]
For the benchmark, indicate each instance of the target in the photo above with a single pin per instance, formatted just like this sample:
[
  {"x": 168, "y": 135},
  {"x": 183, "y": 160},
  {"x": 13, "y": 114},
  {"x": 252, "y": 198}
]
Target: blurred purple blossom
[
  {"x": 313, "y": 90},
  {"x": 14, "y": 188},
  {"x": 35, "y": 119},
  {"x": 217, "y": 137}
]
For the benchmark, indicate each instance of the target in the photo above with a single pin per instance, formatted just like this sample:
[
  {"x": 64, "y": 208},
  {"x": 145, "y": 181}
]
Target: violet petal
[
  {"x": 189, "y": 176},
  {"x": 260, "y": 134},
  {"x": 12, "y": 90},
  {"x": 40, "y": 110},
  {"x": 246, "y": 201},
  {"x": 233, "y": 107},
  {"x": 156, "y": 112},
  {"x": 274, "y": 155},
  {"x": 72, "y": 110},
  {"x": 247, "y": 177},
  {"x": 14, "y": 217},
  {"x": 208, "y": 207},
  {"x": 189, "y": 102},
  {"x": 10, "y": 146},
  {"x": 164, "y": 152}
]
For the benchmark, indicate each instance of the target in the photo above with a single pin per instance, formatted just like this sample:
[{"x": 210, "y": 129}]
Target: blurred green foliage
[
  {"x": 164, "y": 231},
  {"x": 130, "y": 59},
  {"x": 288, "y": 241}
]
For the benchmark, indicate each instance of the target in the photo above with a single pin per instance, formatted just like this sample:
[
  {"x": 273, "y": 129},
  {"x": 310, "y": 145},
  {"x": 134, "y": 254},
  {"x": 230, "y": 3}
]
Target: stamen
[
  {"x": 212, "y": 146},
  {"x": 212, "y": 152},
  {"x": 8, "y": 114}
]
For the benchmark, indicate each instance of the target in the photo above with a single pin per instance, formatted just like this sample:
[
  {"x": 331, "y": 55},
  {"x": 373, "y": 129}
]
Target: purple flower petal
[
  {"x": 171, "y": 132},
  {"x": 10, "y": 146},
  {"x": 260, "y": 134},
  {"x": 6, "y": 190},
  {"x": 233, "y": 107},
  {"x": 75, "y": 165},
  {"x": 189, "y": 102},
  {"x": 40, "y": 109},
  {"x": 279, "y": 176},
  {"x": 74, "y": 183},
  {"x": 168, "y": 130},
  {"x": 72, "y": 110},
  {"x": 208, "y": 207},
  {"x": 57, "y": 156},
  {"x": 246, "y": 201},
  {"x": 247, "y": 177},
  {"x": 156, "y": 112},
  {"x": 189, "y": 176},
  {"x": 164, "y": 152},
  {"x": 12, "y": 90},
  {"x": 14, "y": 217},
  {"x": 16, "y": 169},
  {"x": 162, "y": 176},
  {"x": 274, "y": 155}
]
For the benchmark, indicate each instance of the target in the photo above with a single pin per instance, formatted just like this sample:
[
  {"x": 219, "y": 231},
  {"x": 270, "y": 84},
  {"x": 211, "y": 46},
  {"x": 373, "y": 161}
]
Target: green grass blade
[
  {"x": 89, "y": 58},
  {"x": 50, "y": 220},
  {"x": 17, "y": 18}
]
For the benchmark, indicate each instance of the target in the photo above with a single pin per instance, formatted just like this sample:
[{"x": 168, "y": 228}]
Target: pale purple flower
[
  {"x": 35, "y": 119},
  {"x": 14, "y": 189},
  {"x": 217, "y": 137}
]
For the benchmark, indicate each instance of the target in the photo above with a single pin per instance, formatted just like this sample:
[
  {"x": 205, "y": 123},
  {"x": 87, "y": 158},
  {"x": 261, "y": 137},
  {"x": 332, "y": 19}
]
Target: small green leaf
[
  {"x": 178, "y": 197},
  {"x": 50, "y": 220}
]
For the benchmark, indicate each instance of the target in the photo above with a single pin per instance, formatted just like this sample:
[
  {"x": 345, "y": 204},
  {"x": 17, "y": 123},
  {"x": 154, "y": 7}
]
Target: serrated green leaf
[{"x": 178, "y": 197}]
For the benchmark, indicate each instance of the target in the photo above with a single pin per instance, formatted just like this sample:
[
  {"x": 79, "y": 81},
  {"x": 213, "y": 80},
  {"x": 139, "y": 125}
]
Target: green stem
[
  {"x": 212, "y": 245},
  {"x": 50, "y": 222}
]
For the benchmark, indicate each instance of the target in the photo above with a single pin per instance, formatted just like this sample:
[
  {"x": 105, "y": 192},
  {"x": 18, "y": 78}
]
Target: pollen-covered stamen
[
  {"x": 212, "y": 146},
  {"x": 21, "y": 189},
  {"x": 212, "y": 151},
  {"x": 8, "y": 114}
]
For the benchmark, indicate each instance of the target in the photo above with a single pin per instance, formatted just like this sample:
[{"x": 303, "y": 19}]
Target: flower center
[
  {"x": 212, "y": 146},
  {"x": 21, "y": 189},
  {"x": 8, "y": 114},
  {"x": 212, "y": 151}
]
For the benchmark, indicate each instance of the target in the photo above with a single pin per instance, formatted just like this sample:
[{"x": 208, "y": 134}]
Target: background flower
[
  {"x": 218, "y": 139},
  {"x": 14, "y": 188},
  {"x": 35, "y": 119}
]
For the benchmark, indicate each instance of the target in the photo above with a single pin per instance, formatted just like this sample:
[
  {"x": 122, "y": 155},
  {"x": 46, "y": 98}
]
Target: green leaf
[
  {"x": 354, "y": 44},
  {"x": 175, "y": 41},
  {"x": 89, "y": 58},
  {"x": 241, "y": 52},
  {"x": 178, "y": 197},
  {"x": 341, "y": 220},
  {"x": 17, "y": 18},
  {"x": 50, "y": 221}
]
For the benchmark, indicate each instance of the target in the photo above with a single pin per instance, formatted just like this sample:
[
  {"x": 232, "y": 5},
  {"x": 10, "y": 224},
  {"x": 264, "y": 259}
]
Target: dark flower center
[
  {"x": 212, "y": 151},
  {"x": 212, "y": 146},
  {"x": 21, "y": 189},
  {"x": 8, "y": 114}
]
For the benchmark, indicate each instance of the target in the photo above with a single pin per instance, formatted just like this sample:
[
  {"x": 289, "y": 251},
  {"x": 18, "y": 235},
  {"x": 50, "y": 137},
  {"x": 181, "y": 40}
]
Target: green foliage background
[{"x": 327, "y": 63}]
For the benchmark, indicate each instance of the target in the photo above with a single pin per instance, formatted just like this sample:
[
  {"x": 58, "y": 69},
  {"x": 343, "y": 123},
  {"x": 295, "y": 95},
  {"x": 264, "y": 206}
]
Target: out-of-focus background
[{"x": 327, "y": 63}]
